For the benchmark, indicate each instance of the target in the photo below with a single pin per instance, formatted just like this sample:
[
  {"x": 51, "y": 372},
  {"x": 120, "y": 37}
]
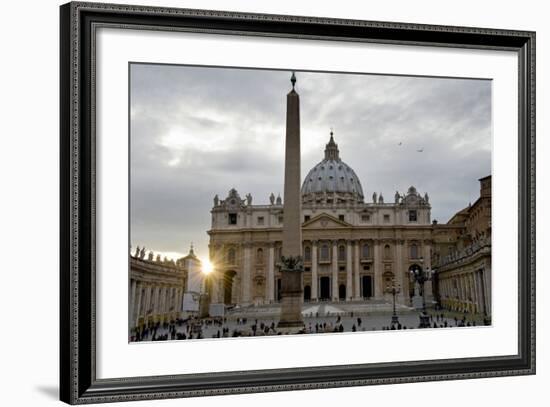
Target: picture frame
[{"x": 78, "y": 347}]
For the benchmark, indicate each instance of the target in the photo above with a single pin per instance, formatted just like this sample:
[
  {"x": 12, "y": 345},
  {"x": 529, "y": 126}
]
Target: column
[
  {"x": 156, "y": 303},
  {"x": 427, "y": 256},
  {"x": 314, "y": 277},
  {"x": 245, "y": 281},
  {"x": 467, "y": 292},
  {"x": 479, "y": 306},
  {"x": 270, "y": 286},
  {"x": 179, "y": 300},
  {"x": 147, "y": 300},
  {"x": 472, "y": 292},
  {"x": 162, "y": 300},
  {"x": 349, "y": 292},
  {"x": 406, "y": 276},
  {"x": 334, "y": 270},
  {"x": 487, "y": 273},
  {"x": 399, "y": 273},
  {"x": 377, "y": 262},
  {"x": 137, "y": 304},
  {"x": 132, "y": 303},
  {"x": 214, "y": 287},
  {"x": 462, "y": 291},
  {"x": 356, "y": 266},
  {"x": 166, "y": 299},
  {"x": 481, "y": 293}
]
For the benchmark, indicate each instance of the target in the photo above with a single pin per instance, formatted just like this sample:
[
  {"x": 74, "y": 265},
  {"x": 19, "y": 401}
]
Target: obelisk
[{"x": 291, "y": 262}]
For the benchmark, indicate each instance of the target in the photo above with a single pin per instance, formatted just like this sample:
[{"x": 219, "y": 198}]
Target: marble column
[
  {"x": 463, "y": 291},
  {"x": 474, "y": 292},
  {"x": 147, "y": 300},
  {"x": 162, "y": 299},
  {"x": 377, "y": 262},
  {"x": 137, "y": 304},
  {"x": 349, "y": 292},
  {"x": 245, "y": 281},
  {"x": 141, "y": 295},
  {"x": 334, "y": 264},
  {"x": 427, "y": 257},
  {"x": 270, "y": 286},
  {"x": 487, "y": 273},
  {"x": 314, "y": 276},
  {"x": 157, "y": 300},
  {"x": 479, "y": 294},
  {"x": 399, "y": 272},
  {"x": 179, "y": 300},
  {"x": 357, "y": 266},
  {"x": 132, "y": 305}
]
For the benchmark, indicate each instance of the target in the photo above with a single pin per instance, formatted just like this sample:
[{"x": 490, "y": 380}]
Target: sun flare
[{"x": 207, "y": 266}]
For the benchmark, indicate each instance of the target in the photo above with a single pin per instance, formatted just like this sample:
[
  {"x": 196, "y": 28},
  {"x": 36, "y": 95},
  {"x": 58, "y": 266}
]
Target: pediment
[{"x": 325, "y": 221}]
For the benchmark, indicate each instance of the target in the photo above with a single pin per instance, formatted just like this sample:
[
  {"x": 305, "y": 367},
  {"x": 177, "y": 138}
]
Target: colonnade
[{"x": 468, "y": 290}]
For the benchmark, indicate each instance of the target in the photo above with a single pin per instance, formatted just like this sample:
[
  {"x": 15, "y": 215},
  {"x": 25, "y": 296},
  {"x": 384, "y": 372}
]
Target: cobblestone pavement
[{"x": 316, "y": 321}]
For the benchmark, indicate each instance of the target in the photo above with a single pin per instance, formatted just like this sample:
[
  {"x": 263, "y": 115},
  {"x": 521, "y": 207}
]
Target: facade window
[
  {"x": 260, "y": 220},
  {"x": 231, "y": 256},
  {"x": 260, "y": 255},
  {"x": 366, "y": 251},
  {"x": 414, "y": 251},
  {"x": 232, "y": 218},
  {"x": 386, "y": 218},
  {"x": 307, "y": 253},
  {"x": 280, "y": 220},
  {"x": 365, "y": 218},
  {"x": 307, "y": 218},
  {"x": 387, "y": 252},
  {"x": 412, "y": 216},
  {"x": 341, "y": 253},
  {"x": 341, "y": 217},
  {"x": 324, "y": 255}
]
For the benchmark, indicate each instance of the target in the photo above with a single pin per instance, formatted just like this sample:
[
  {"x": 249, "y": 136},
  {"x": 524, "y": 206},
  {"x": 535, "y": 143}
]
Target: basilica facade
[{"x": 352, "y": 249}]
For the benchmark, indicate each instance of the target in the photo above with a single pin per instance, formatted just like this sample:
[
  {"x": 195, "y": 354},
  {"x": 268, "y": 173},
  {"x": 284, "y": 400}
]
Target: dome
[{"x": 332, "y": 175}]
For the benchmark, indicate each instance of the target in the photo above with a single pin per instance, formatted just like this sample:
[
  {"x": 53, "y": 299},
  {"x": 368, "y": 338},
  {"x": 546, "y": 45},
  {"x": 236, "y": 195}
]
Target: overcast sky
[{"x": 197, "y": 132}]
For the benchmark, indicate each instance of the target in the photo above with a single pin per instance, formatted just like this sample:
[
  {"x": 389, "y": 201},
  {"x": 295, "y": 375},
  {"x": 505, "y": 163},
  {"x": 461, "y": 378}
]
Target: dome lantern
[
  {"x": 332, "y": 177},
  {"x": 331, "y": 149}
]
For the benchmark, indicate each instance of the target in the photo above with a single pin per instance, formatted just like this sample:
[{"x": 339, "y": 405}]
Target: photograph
[{"x": 268, "y": 202}]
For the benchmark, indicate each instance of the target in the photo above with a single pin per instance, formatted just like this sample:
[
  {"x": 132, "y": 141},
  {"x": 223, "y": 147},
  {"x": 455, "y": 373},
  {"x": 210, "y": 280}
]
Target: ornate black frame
[{"x": 78, "y": 382}]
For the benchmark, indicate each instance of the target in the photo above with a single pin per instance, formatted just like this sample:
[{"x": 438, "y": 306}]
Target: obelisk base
[{"x": 291, "y": 302}]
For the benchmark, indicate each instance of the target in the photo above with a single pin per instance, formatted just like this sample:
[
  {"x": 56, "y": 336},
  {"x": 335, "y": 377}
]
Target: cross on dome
[{"x": 331, "y": 149}]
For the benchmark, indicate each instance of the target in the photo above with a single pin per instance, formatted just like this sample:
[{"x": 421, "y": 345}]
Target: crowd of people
[{"x": 200, "y": 328}]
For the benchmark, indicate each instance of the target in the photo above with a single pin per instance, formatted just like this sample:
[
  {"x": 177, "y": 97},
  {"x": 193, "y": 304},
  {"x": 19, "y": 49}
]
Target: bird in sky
[
  {"x": 420, "y": 151},
  {"x": 400, "y": 143}
]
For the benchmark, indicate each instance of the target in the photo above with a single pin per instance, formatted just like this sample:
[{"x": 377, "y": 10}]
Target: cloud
[{"x": 198, "y": 131}]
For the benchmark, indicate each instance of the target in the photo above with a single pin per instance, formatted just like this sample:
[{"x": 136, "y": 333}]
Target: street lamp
[
  {"x": 421, "y": 276},
  {"x": 394, "y": 290}
]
